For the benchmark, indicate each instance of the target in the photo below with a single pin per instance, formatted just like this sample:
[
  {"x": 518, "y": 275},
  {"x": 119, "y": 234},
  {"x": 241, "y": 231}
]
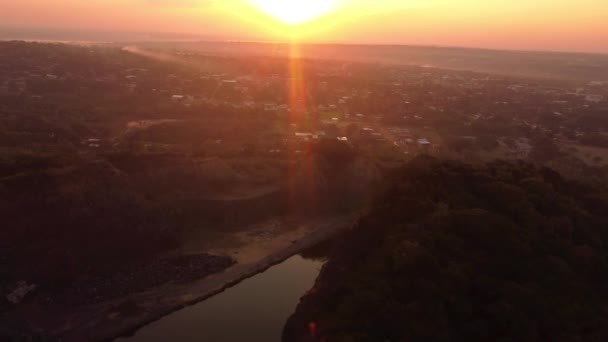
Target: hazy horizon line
[{"x": 202, "y": 38}]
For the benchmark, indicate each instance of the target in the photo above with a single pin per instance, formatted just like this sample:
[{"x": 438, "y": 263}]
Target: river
[{"x": 255, "y": 310}]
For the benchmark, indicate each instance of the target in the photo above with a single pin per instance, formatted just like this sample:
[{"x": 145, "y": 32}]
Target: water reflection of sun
[{"x": 294, "y": 12}]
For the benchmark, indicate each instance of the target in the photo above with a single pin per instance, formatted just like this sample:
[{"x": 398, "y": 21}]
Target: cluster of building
[{"x": 387, "y": 105}]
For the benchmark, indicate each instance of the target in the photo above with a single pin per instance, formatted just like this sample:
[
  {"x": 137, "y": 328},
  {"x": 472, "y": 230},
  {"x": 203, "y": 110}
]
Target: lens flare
[{"x": 294, "y": 12}]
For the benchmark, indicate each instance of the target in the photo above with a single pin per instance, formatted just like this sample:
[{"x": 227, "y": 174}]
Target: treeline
[
  {"x": 65, "y": 219},
  {"x": 504, "y": 252}
]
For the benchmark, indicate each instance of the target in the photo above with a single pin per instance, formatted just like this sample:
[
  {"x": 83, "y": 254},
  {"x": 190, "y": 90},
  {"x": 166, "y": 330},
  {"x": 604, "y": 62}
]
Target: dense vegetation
[
  {"x": 111, "y": 159},
  {"x": 451, "y": 252},
  {"x": 64, "y": 220}
]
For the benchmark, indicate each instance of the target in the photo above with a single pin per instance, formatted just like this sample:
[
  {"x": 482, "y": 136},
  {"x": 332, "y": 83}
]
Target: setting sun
[{"x": 294, "y": 12}]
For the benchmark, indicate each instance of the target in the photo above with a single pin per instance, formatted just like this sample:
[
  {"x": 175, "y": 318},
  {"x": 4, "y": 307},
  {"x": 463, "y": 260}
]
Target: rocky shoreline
[
  {"x": 183, "y": 268},
  {"x": 124, "y": 316}
]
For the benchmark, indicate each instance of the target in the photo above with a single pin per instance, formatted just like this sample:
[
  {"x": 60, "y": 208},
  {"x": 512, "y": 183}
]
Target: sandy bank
[{"x": 107, "y": 321}]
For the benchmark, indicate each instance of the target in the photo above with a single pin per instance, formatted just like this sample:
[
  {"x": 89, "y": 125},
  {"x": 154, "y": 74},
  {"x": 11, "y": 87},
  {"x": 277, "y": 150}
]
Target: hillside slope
[{"x": 504, "y": 252}]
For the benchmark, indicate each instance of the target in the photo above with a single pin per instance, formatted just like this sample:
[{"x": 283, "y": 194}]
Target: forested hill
[{"x": 451, "y": 252}]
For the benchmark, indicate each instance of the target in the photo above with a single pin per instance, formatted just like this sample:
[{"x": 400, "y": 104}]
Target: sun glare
[{"x": 294, "y": 12}]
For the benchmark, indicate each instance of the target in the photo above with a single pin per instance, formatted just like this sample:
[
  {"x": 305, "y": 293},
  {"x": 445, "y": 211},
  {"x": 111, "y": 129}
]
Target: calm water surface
[{"x": 253, "y": 311}]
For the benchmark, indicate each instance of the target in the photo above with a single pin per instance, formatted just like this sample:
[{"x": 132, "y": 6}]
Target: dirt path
[{"x": 107, "y": 321}]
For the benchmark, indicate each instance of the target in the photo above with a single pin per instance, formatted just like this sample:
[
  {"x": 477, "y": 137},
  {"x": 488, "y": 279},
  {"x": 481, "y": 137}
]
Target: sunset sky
[{"x": 514, "y": 24}]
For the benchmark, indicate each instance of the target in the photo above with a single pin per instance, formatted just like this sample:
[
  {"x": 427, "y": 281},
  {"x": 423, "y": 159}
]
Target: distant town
[{"x": 400, "y": 110}]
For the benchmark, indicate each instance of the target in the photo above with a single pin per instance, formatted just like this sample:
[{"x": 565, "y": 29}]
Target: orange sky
[{"x": 506, "y": 24}]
